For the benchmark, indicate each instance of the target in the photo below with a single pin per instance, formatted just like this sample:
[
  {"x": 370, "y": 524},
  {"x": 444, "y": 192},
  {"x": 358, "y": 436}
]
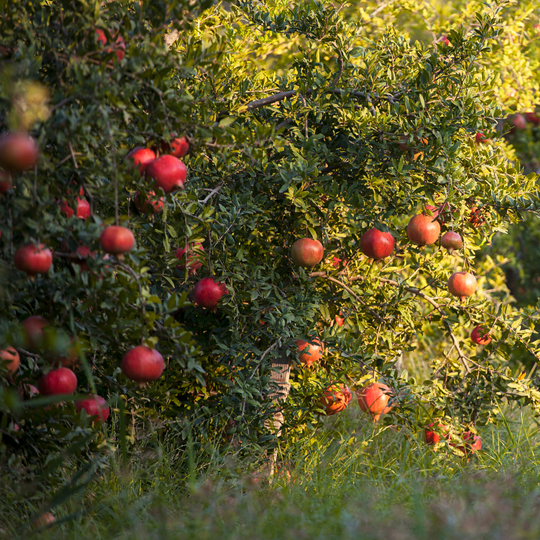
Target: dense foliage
[{"x": 301, "y": 123}]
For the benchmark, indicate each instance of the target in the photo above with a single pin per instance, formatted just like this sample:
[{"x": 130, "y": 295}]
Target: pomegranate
[
  {"x": 18, "y": 152},
  {"x": 5, "y": 182},
  {"x": 309, "y": 352},
  {"x": 442, "y": 213},
  {"x": 10, "y": 358},
  {"x": 374, "y": 399},
  {"x": 120, "y": 44},
  {"x": 462, "y": 284},
  {"x": 142, "y": 157},
  {"x": 336, "y": 398},
  {"x": 94, "y": 406},
  {"x": 142, "y": 364},
  {"x": 43, "y": 520},
  {"x": 33, "y": 332},
  {"x": 149, "y": 204},
  {"x": 451, "y": 240},
  {"x": 519, "y": 121},
  {"x": 476, "y": 216},
  {"x": 376, "y": 244},
  {"x": 444, "y": 40},
  {"x": 168, "y": 173},
  {"x": 480, "y": 337},
  {"x": 83, "y": 208},
  {"x": 192, "y": 264},
  {"x": 33, "y": 260},
  {"x": 340, "y": 319},
  {"x": 178, "y": 147},
  {"x": 58, "y": 381},
  {"x": 480, "y": 138},
  {"x": 471, "y": 443},
  {"x": 116, "y": 240},
  {"x": 307, "y": 252},
  {"x": 532, "y": 117},
  {"x": 80, "y": 257},
  {"x": 433, "y": 437},
  {"x": 423, "y": 230},
  {"x": 208, "y": 292}
]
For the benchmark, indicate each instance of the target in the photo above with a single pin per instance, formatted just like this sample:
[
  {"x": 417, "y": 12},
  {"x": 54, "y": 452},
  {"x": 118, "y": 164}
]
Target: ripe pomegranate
[
  {"x": 480, "y": 138},
  {"x": 83, "y": 208},
  {"x": 208, "y": 292},
  {"x": 442, "y": 213},
  {"x": 476, "y": 216},
  {"x": 191, "y": 263},
  {"x": 120, "y": 44},
  {"x": 471, "y": 443},
  {"x": 142, "y": 364},
  {"x": 149, "y": 204},
  {"x": 116, "y": 240},
  {"x": 423, "y": 230},
  {"x": 18, "y": 152},
  {"x": 94, "y": 406},
  {"x": 340, "y": 319},
  {"x": 58, "y": 381},
  {"x": 42, "y": 521},
  {"x": 376, "y": 244},
  {"x": 480, "y": 337},
  {"x": 532, "y": 117},
  {"x": 33, "y": 260},
  {"x": 433, "y": 437},
  {"x": 374, "y": 399},
  {"x": 309, "y": 352},
  {"x": 33, "y": 332},
  {"x": 336, "y": 398},
  {"x": 519, "y": 121},
  {"x": 307, "y": 252},
  {"x": 462, "y": 284},
  {"x": 451, "y": 240},
  {"x": 179, "y": 147},
  {"x": 142, "y": 157},
  {"x": 80, "y": 257},
  {"x": 10, "y": 358},
  {"x": 168, "y": 173},
  {"x": 5, "y": 182},
  {"x": 444, "y": 40}
]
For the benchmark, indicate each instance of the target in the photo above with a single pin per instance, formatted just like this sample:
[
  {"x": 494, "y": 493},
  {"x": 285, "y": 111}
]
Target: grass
[{"x": 350, "y": 479}]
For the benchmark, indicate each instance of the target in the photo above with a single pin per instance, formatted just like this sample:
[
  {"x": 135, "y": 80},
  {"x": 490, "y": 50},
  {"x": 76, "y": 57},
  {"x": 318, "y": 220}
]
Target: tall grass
[{"x": 349, "y": 479}]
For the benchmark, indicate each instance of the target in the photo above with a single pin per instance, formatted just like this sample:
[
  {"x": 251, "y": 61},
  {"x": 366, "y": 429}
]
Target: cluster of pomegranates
[{"x": 467, "y": 442}]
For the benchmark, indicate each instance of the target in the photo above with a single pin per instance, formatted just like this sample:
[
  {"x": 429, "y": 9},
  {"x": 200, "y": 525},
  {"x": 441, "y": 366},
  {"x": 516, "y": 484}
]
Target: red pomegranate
[
  {"x": 376, "y": 244},
  {"x": 444, "y": 40},
  {"x": 462, "y": 284},
  {"x": 142, "y": 364},
  {"x": 208, "y": 292},
  {"x": 42, "y": 521},
  {"x": 307, "y": 252},
  {"x": 5, "y": 182},
  {"x": 442, "y": 213},
  {"x": 80, "y": 257},
  {"x": 336, "y": 398},
  {"x": 83, "y": 208},
  {"x": 374, "y": 399},
  {"x": 476, "y": 216},
  {"x": 141, "y": 157},
  {"x": 58, "y": 381},
  {"x": 309, "y": 352},
  {"x": 10, "y": 358},
  {"x": 116, "y": 240},
  {"x": 168, "y": 173},
  {"x": 471, "y": 443},
  {"x": 340, "y": 319},
  {"x": 33, "y": 260},
  {"x": 149, "y": 204},
  {"x": 480, "y": 138},
  {"x": 192, "y": 264},
  {"x": 451, "y": 240},
  {"x": 179, "y": 147},
  {"x": 33, "y": 331},
  {"x": 480, "y": 336},
  {"x": 18, "y": 152},
  {"x": 120, "y": 44},
  {"x": 423, "y": 230},
  {"x": 519, "y": 121},
  {"x": 433, "y": 437},
  {"x": 94, "y": 406},
  {"x": 532, "y": 117}
]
